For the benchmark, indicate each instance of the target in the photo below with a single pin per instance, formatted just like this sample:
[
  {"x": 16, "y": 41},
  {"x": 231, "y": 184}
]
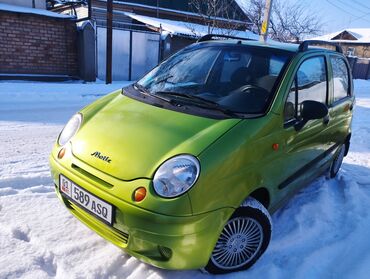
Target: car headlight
[
  {"x": 176, "y": 176},
  {"x": 70, "y": 129}
]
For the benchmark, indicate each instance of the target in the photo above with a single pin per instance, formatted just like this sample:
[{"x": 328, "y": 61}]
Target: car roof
[{"x": 290, "y": 47}]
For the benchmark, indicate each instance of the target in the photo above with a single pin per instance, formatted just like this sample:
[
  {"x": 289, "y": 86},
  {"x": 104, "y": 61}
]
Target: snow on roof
[
  {"x": 181, "y": 28},
  {"x": 25, "y": 10},
  {"x": 362, "y": 35},
  {"x": 168, "y": 10}
]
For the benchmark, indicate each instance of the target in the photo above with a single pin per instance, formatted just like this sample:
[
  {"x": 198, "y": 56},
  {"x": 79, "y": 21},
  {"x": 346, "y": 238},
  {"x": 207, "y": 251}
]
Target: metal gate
[{"x": 134, "y": 53}]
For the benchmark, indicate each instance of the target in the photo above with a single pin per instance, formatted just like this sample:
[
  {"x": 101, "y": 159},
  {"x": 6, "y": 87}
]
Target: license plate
[{"x": 86, "y": 200}]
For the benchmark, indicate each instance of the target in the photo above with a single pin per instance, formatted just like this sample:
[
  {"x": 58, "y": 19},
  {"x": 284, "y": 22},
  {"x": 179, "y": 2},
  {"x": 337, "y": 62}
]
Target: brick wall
[{"x": 37, "y": 44}]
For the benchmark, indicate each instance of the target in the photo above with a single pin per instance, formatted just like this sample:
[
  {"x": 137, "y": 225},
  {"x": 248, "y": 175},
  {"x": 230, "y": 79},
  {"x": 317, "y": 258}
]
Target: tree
[
  {"x": 290, "y": 21},
  {"x": 211, "y": 11}
]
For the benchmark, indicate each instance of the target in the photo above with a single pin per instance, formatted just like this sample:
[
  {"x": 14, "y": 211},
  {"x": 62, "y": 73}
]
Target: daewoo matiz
[{"x": 183, "y": 168}]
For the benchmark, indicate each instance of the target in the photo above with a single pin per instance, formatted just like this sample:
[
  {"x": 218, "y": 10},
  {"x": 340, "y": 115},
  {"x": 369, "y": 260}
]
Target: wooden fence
[{"x": 360, "y": 67}]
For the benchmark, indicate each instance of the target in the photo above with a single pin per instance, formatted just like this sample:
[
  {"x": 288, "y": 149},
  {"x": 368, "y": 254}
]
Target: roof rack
[
  {"x": 210, "y": 37},
  {"x": 304, "y": 45}
]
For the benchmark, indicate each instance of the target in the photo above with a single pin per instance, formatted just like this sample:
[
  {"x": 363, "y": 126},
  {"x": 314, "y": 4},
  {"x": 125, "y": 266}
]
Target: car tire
[
  {"x": 337, "y": 161},
  {"x": 243, "y": 240}
]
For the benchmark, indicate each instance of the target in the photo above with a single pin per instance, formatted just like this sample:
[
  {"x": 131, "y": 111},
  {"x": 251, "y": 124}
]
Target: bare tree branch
[
  {"x": 210, "y": 10},
  {"x": 290, "y": 21}
]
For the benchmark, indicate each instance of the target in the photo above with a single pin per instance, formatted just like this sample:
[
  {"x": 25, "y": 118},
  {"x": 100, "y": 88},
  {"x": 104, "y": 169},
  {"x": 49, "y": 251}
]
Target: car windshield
[{"x": 238, "y": 79}]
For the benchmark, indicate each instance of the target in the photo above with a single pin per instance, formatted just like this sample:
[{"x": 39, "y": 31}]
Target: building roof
[
  {"x": 176, "y": 11},
  {"x": 182, "y": 6},
  {"x": 185, "y": 29},
  {"x": 25, "y": 10},
  {"x": 351, "y": 35}
]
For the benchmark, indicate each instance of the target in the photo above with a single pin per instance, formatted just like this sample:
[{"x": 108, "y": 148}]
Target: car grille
[
  {"x": 91, "y": 176},
  {"x": 118, "y": 237}
]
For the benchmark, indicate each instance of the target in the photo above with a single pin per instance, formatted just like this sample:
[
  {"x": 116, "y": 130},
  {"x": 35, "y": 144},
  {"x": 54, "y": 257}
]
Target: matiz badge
[{"x": 101, "y": 157}]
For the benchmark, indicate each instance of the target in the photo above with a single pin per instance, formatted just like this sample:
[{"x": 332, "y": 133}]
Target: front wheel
[{"x": 243, "y": 240}]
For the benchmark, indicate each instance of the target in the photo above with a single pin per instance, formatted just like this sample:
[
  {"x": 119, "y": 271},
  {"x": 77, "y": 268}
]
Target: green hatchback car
[{"x": 183, "y": 169}]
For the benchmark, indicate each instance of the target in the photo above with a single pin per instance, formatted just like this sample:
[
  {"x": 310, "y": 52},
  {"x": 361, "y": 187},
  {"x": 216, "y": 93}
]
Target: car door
[
  {"x": 304, "y": 149},
  {"x": 341, "y": 99}
]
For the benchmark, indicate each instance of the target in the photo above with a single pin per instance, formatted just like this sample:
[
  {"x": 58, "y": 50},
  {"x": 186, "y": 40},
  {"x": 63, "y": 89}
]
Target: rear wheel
[
  {"x": 337, "y": 161},
  {"x": 243, "y": 240}
]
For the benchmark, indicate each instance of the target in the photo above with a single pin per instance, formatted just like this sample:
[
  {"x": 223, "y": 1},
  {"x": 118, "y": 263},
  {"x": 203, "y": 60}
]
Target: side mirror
[{"x": 311, "y": 110}]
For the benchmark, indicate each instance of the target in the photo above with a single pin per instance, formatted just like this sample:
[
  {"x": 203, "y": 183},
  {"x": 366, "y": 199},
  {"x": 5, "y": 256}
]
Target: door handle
[{"x": 326, "y": 120}]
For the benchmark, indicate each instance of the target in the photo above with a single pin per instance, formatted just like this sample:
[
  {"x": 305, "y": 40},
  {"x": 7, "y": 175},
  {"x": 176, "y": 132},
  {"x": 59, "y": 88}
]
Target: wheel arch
[
  {"x": 262, "y": 195},
  {"x": 347, "y": 142}
]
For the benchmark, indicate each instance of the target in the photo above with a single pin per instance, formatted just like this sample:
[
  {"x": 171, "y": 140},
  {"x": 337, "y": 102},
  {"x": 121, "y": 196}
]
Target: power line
[
  {"x": 351, "y": 7},
  {"x": 343, "y": 10},
  {"x": 362, "y": 5},
  {"x": 361, "y": 17},
  {"x": 353, "y": 15}
]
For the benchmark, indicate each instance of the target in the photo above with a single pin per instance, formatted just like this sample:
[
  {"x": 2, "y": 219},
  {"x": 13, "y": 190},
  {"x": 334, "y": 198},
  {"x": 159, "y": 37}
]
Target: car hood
[{"x": 129, "y": 139}]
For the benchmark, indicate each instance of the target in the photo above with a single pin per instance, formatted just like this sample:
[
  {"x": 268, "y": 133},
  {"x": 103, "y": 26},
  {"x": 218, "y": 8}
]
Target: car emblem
[{"x": 98, "y": 155}]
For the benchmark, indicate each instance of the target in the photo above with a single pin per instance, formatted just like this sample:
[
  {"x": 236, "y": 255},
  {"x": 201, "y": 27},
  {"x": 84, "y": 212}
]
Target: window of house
[
  {"x": 340, "y": 78},
  {"x": 351, "y": 51},
  {"x": 310, "y": 83}
]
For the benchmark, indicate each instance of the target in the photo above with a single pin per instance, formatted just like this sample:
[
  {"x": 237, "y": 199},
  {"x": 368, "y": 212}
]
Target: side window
[
  {"x": 340, "y": 78},
  {"x": 310, "y": 83}
]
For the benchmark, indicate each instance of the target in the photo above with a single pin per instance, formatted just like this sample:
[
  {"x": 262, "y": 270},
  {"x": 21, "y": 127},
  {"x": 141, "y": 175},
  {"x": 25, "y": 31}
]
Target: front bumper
[{"x": 169, "y": 242}]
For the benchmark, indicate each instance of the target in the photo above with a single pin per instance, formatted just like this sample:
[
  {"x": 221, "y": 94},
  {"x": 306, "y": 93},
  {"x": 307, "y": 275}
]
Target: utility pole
[
  {"x": 108, "y": 70},
  {"x": 266, "y": 21}
]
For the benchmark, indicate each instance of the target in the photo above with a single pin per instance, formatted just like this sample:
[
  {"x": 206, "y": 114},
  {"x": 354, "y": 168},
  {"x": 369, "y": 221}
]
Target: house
[
  {"x": 354, "y": 41},
  {"x": 147, "y": 31}
]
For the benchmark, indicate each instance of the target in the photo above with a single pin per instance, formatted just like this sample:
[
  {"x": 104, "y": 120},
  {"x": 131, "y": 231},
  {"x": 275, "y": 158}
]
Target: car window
[
  {"x": 310, "y": 83},
  {"x": 340, "y": 78},
  {"x": 181, "y": 69},
  {"x": 276, "y": 63},
  {"x": 239, "y": 79}
]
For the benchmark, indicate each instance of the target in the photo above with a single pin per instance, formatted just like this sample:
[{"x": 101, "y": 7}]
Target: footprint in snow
[{"x": 21, "y": 235}]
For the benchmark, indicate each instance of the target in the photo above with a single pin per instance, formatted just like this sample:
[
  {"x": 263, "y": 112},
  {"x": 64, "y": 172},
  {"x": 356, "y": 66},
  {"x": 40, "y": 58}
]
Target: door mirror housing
[{"x": 311, "y": 110}]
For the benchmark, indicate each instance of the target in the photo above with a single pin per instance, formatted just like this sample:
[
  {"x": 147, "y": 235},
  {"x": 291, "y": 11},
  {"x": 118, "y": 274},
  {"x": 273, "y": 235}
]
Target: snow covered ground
[{"x": 321, "y": 233}]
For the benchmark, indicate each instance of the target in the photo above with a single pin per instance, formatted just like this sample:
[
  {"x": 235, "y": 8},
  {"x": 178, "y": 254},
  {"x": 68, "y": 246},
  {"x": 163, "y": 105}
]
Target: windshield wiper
[
  {"x": 146, "y": 92},
  {"x": 164, "y": 78},
  {"x": 199, "y": 101}
]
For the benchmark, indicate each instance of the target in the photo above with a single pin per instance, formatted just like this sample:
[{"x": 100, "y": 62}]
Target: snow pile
[{"x": 321, "y": 233}]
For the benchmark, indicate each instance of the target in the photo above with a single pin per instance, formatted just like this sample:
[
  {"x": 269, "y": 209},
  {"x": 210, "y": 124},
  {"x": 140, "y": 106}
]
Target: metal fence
[
  {"x": 134, "y": 53},
  {"x": 360, "y": 67}
]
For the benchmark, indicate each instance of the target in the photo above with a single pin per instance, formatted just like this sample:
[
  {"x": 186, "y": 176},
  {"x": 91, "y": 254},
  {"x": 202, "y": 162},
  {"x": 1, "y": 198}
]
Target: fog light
[
  {"x": 139, "y": 194},
  {"x": 165, "y": 252},
  {"x": 61, "y": 153}
]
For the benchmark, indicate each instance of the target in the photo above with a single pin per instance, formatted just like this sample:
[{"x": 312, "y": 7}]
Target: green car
[{"x": 183, "y": 169}]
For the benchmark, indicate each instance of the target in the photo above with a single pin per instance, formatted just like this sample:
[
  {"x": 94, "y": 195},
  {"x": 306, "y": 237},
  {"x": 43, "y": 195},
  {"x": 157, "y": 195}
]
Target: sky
[
  {"x": 337, "y": 15},
  {"x": 342, "y": 14}
]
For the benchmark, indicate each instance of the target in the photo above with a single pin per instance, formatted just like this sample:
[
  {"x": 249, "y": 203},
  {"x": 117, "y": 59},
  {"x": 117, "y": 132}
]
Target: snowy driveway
[{"x": 322, "y": 233}]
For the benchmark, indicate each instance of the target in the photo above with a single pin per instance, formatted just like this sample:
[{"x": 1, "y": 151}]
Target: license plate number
[{"x": 86, "y": 200}]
